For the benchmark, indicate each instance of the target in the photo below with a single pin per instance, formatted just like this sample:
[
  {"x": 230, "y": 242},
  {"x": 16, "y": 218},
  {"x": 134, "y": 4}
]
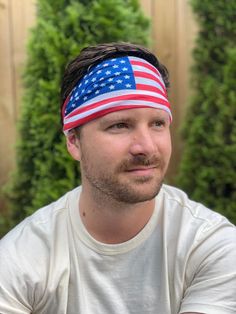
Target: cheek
[
  {"x": 114, "y": 148},
  {"x": 164, "y": 146},
  {"x": 99, "y": 155}
]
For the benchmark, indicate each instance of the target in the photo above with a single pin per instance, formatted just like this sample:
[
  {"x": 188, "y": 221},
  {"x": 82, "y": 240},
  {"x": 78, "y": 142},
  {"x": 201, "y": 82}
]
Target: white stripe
[
  {"x": 145, "y": 81},
  {"x": 116, "y": 94},
  {"x": 115, "y": 104}
]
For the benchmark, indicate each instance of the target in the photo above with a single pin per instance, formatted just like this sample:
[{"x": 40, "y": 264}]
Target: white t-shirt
[{"x": 183, "y": 260}]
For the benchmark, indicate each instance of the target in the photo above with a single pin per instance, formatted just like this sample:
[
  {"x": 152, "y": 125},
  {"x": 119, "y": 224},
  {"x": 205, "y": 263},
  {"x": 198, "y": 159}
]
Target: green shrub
[
  {"x": 63, "y": 27},
  {"x": 208, "y": 167}
]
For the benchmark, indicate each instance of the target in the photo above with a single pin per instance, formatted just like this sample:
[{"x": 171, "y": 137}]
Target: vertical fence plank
[
  {"x": 7, "y": 128},
  {"x": 185, "y": 34},
  {"x": 146, "y": 6},
  {"x": 15, "y": 19},
  {"x": 23, "y": 17}
]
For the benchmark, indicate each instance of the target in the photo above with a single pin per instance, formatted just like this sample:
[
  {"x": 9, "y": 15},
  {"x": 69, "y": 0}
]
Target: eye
[
  {"x": 119, "y": 126},
  {"x": 159, "y": 123}
]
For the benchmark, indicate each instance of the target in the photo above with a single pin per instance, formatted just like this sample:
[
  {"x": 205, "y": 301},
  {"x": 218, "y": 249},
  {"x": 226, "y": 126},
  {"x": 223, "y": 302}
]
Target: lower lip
[{"x": 142, "y": 172}]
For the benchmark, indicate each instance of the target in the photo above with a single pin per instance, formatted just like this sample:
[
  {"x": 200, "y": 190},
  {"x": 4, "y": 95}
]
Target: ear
[{"x": 73, "y": 146}]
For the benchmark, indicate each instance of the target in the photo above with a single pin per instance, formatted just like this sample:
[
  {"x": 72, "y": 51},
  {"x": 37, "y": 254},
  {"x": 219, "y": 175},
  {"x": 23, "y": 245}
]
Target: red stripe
[
  {"x": 146, "y": 65},
  {"x": 64, "y": 106},
  {"x": 119, "y": 98},
  {"x": 150, "y": 88}
]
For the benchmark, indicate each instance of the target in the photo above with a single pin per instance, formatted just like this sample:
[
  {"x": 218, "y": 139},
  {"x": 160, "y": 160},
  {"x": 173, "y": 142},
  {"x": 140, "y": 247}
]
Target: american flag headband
[{"x": 114, "y": 84}]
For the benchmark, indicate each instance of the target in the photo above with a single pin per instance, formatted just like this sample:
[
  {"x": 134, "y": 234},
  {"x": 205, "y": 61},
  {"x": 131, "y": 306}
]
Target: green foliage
[
  {"x": 63, "y": 27},
  {"x": 208, "y": 167}
]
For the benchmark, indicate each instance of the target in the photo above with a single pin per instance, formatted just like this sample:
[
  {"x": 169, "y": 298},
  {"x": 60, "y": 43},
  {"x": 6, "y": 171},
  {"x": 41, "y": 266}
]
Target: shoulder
[
  {"x": 205, "y": 245},
  {"x": 195, "y": 229},
  {"x": 42, "y": 223},
  {"x": 32, "y": 249},
  {"x": 177, "y": 203},
  {"x": 32, "y": 242}
]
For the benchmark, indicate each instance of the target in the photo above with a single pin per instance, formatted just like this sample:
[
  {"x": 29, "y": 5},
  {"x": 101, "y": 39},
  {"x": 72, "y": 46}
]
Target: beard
[{"x": 119, "y": 185}]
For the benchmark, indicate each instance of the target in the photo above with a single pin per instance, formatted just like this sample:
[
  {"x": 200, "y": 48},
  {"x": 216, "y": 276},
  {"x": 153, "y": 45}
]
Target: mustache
[{"x": 140, "y": 160}]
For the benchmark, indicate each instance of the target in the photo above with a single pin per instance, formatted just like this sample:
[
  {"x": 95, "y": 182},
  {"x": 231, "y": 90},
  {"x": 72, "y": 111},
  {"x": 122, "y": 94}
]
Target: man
[{"x": 123, "y": 242}]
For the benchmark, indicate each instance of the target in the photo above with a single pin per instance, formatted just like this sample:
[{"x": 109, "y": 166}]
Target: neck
[{"x": 110, "y": 221}]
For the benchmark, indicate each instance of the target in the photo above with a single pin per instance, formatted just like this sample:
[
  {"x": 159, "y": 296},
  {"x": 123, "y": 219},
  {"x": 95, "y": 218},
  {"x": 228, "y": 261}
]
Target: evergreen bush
[
  {"x": 63, "y": 27},
  {"x": 208, "y": 167}
]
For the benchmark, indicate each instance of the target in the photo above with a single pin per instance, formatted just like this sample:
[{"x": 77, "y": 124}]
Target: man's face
[{"x": 124, "y": 155}]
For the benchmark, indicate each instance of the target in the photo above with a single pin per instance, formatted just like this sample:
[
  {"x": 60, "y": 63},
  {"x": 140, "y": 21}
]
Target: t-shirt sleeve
[
  {"x": 211, "y": 272},
  {"x": 14, "y": 298},
  {"x": 20, "y": 271}
]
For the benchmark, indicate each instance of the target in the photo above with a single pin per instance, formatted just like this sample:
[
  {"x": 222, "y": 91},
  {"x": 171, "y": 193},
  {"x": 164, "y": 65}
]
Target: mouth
[{"x": 142, "y": 171}]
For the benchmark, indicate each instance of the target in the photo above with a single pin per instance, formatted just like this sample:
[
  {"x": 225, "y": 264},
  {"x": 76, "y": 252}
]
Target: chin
[{"x": 139, "y": 195}]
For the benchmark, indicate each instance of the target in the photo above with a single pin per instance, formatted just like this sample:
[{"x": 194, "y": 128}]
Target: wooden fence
[
  {"x": 173, "y": 33},
  {"x": 16, "y": 16}
]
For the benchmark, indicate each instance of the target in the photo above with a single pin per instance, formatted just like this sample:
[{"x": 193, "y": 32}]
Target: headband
[{"x": 114, "y": 84}]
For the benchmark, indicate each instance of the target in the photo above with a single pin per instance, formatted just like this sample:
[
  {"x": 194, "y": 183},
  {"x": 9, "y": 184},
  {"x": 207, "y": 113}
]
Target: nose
[{"x": 143, "y": 142}]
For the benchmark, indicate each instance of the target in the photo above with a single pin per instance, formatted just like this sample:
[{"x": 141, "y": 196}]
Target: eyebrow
[{"x": 107, "y": 120}]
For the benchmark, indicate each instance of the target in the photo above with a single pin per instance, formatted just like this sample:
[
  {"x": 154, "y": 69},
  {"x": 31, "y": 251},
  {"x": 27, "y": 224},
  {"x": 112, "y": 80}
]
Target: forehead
[{"x": 136, "y": 114}]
